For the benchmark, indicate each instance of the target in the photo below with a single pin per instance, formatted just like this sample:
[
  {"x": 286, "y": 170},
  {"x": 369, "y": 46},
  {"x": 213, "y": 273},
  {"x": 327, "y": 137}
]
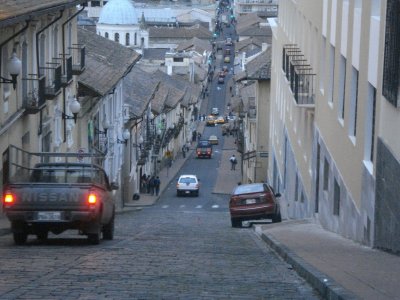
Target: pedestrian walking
[
  {"x": 157, "y": 183},
  {"x": 184, "y": 151},
  {"x": 233, "y": 161},
  {"x": 151, "y": 185},
  {"x": 148, "y": 184},
  {"x": 143, "y": 183}
]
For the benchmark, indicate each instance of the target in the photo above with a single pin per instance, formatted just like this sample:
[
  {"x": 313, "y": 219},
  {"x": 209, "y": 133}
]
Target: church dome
[{"x": 118, "y": 12}]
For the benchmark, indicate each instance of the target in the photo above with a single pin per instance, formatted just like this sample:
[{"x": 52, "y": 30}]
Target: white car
[
  {"x": 187, "y": 185},
  {"x": 213, "y": 139},
  {"x": 215, "y": 111}
]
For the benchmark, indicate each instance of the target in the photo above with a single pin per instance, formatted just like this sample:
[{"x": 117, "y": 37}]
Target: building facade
[
  {"x": 333, "y": 146},
  {"x": 37, "y": 111}
]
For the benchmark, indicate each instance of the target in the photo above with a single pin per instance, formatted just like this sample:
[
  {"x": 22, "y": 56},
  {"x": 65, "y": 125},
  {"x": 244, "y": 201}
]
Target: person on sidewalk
[
  {"x": 143, "y": 183},
  {"x": 184, "y": 151},
  {"x": 233, "y": 161},
  {"x": 157, "y": 183},
  {"x": 148, "y": 184},
  {"x": 151, "y": 185}
]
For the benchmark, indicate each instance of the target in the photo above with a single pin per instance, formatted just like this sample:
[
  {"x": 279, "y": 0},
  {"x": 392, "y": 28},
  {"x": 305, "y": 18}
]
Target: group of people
[{"x": 150, "y": 184}]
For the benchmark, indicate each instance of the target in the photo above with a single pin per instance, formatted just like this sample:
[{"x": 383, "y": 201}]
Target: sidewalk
[{"x": 339, "y": 268}]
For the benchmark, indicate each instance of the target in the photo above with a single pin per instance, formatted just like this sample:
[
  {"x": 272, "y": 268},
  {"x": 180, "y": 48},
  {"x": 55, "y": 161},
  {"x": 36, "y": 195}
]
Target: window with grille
[{"x": 391, "y": 75}]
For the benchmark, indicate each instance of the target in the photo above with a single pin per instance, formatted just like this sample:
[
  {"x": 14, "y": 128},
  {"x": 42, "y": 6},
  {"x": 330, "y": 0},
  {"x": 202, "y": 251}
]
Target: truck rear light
[
  {"x": 8, "y": 198},
  {"x": 92, "y": 199}
]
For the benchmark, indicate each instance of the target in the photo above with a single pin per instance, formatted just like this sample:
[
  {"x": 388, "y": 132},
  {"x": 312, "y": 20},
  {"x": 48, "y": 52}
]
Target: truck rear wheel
[
  {"x": 20, "y": 237},
  {"x": 42, "y": 235},
  {"x": 94, "y": 238},
  {"x": 108, "y": 230}
]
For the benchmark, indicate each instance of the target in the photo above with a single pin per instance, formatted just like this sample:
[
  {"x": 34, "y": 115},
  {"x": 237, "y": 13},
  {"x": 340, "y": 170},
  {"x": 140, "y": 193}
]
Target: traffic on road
[{"x": 185, "y": 246}]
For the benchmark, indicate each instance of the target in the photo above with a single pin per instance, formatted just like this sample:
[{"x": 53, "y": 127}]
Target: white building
[{"x": 120, "y": 21}]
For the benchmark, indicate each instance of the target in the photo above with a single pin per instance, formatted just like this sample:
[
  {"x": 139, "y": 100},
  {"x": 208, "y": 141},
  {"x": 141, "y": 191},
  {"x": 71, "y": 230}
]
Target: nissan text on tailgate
[{"x": 58, "y": 194}]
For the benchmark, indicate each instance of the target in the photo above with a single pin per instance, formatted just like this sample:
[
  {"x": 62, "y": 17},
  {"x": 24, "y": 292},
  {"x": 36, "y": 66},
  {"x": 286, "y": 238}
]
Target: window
[
  {"x": 5, "y": 74},
  {"x": 178, "y": 59},
  {"x": 116, "y": 37},
  {"x": 353, "y": 102},
  {"x": 326, "y": 175},
  {"x": 322, "y": 63},
  {"x": 95, "y": 3},
  {"x": 331, "y": 78},
  {"x": 106, "y": 35},
  {"x": 391, "y": 74},
  {"x": 370, "y": 124},
  {"x": 342, "y": 87},
  {"x": 42, "y": 53},
  {"x": 127, "y": 40},
  {"x": 336, "y": 198},
  {"x": 55, "y": 42}
]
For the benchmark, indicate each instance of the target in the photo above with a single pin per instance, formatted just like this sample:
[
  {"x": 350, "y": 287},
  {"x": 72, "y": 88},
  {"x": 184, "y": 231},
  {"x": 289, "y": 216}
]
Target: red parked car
[{"x": 252, "y": 202}]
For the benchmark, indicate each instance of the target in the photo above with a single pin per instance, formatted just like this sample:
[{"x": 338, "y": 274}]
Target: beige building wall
[
  {"x": 321, "y": 152},
  {"x": 43, "y": 131}
]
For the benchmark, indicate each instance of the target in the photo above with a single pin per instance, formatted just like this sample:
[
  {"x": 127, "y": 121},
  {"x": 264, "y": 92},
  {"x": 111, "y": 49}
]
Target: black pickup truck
[{"x": 55, "y": 195}]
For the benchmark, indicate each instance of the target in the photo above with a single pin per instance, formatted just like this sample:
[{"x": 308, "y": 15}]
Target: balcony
[
  {"x": 51, "y": 80},
  {"x": 299, "y": 75},
  {"x": 66, "y": 78},
  {"x": 33, "y": 99},
  {"x": 78, "y": 59}
]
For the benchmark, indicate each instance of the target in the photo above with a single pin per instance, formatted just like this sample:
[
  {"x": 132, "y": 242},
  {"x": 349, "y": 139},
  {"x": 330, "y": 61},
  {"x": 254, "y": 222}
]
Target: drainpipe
[
  {"x": 37, "y": 39},
  {"x": 63, "y": 56},
  {"x": 38, "y": 63},
  {"x": 63, "y": 31}
]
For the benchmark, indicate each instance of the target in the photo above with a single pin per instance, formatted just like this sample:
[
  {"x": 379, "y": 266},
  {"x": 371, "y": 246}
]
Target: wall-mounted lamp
[
  {"x": 14, "y": 67},
  {"x": 139, "y": 142},
  {"x": 75, "y": 107},
  {"x": 105, "y": 126},
  {"x": 125, "y": 135}
]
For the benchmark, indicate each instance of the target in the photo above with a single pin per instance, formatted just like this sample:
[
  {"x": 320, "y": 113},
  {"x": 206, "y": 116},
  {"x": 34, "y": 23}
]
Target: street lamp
[
  {"x": 105, "y": 126},
  {"x": 74, "y": 107},
  {"x": 14, "y": 67},
  {"x": 140, "y": 141},
  {"x": 125, "y": 135}
]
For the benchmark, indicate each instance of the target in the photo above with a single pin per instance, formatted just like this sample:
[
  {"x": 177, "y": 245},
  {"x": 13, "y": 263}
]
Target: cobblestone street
[{"x": 158, "y": 253}]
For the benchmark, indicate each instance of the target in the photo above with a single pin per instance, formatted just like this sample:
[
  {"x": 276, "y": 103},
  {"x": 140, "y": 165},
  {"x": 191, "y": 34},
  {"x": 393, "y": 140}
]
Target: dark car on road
[{"x": 253, "y": 202}]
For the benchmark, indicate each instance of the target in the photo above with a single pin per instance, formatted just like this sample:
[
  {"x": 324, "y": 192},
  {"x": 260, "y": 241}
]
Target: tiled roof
[
  {"x": 258, "y": 68},
  {"x": 106, "y": 61},
  {"x": 157, "y": 103},
  {"x": 195, "y": 44},
  {"x": 246, "y": 43},
  {"x": 16, "y": 11},
  {"x": 179, "y": 32},
  {"x": 175, "y": 87},
  {"x": 154, "y": 53},
  {"x": 248, "y": 20},
  {"x": 139, "y": 89},
  {"x": 255, "y": 31}
]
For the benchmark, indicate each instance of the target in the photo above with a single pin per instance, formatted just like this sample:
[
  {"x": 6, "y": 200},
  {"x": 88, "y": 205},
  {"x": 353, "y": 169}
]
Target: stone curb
[{"x": 326, "y": 286}]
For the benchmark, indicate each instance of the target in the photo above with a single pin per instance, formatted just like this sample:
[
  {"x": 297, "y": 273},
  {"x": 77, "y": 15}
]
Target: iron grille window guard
[
  {"x": 391, "y": 74},
  {"x": 299, "y": 74}
]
